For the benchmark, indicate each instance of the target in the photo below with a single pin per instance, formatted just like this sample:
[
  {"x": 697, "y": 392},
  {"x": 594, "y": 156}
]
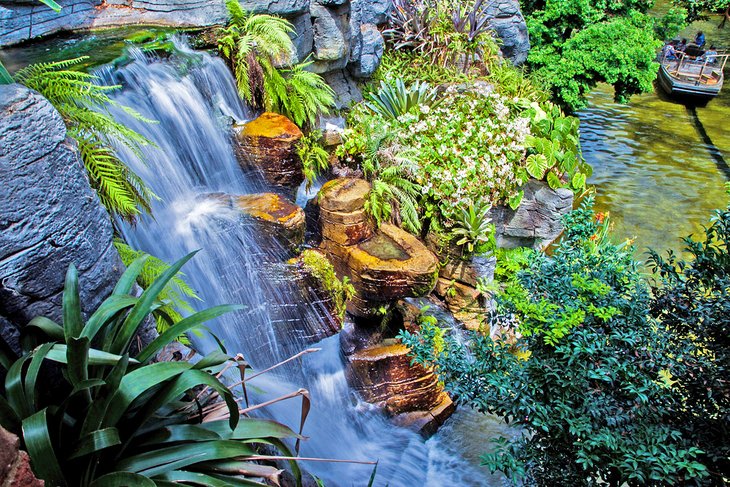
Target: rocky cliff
[{"x": 49, "y": 216}]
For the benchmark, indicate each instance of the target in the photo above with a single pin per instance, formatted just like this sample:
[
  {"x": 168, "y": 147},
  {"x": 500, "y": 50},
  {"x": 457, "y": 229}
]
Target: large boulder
[
  {"x": 342, "y": 211},
  {"x": 268, "y": 143},
  {"x": 274, "y": 212},
  {"x": 332, "y": 35},
  {"x": 509, "y": 25},
  {"x": 49, "y": 217},
  {"x": 537, "y": 222}
]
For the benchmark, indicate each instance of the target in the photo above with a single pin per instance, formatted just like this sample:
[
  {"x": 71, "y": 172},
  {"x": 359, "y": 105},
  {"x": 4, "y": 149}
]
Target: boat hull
[{"x": 687, "y": 90}]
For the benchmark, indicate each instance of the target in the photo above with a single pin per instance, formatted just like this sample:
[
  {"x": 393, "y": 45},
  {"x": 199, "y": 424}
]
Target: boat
[{"x": 690, "y": 77}]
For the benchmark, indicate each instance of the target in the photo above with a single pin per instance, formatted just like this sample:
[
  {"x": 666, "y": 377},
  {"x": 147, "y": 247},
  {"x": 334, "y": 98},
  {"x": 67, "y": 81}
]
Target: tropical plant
[
  {"x": 392, "y": 101},
  {"x": 255, "y": 44},
  {"x": 409, "y": 22},
  {"x": 175, "y": 295},
  {"x": 473, "y": 227},
  {"x": 314, "y": 157},
  {"x": 393, "y": 196},
  {"x": 84, "y": 106},
  {"x": 298, "y": 94},
  {"x": 587, "y": 378},
  {"x": 118, "y": 418},
  {"x": 473, "y": 22},
  {"x": 692, "y": 299},
  {"x": 553, "y": 148},
  {"x": 339, "y": 290}
]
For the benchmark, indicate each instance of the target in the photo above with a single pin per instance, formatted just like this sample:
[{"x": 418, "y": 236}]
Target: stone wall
[{"x": 49, "y": 216}]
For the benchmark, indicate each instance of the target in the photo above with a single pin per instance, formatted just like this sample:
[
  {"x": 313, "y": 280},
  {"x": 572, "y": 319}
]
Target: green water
[{"x": 659, "y": 166}]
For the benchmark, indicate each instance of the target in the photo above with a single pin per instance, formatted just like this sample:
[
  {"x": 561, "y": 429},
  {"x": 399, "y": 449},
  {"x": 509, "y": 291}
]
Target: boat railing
[{"x": 686, "y": 66}]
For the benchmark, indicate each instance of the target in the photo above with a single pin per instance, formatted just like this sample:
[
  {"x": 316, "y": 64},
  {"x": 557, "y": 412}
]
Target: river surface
[{"x": 659, "y": 166}]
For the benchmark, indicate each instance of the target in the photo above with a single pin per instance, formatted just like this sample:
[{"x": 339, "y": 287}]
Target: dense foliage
[
  {"x": 588, "y": 374},
  {"x": 84, "y": 106},
  {"x": 340, "y": 291},
  {"x": 692, "y": 299},
  {"x": 577, "y": 44},
  {"x": 257, "y": 45},
  {"x": 118, "y": 418}
]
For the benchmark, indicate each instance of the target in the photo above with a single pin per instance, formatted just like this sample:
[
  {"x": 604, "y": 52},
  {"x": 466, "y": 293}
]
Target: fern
[
  {"x": 393, "y": 196},
  {"x": 174, "y": 296},
  {"x": 314, "y": 157},
  {"x": 298, "y": 94},
  {"x": 254, "y": 44},
  {"x": 84, "y": 108}
]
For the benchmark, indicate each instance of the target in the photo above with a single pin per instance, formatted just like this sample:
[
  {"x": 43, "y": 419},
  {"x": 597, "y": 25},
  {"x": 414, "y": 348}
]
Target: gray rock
[
  {"x": 511, "y": 29},
  {"x": 346, "y": 90},
  {"x": 304, "y": 36},
  {"x": 50, "y": 216},
  {"x": 332, "y": 128},
  {"x": 371, "y": 11},
  {"x": 537, "y": 221},
  {"x": 285, "y": 8},
  {"x": 367, "y": 51},
  {"x": 331, "y": 37}
]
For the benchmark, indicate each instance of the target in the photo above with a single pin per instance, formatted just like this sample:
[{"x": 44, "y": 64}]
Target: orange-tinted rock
[
  {"x": 282, "y": 216},
  {"x": 428, "y": 422},
  {"x": 383, "y": 375},
  {"x": 342, "y": 211},
  {"x": 268, "y": 143}
]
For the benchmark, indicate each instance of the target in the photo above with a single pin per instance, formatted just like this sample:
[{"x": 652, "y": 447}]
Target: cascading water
[{"x": 193, "y": 96}]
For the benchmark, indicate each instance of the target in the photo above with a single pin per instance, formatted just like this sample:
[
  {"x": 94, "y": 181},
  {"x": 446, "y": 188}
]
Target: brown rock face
[
  {"x": 384, "y": 264},
  {"x": 279, "y": 215},
  {"x": 342, "y": 211},
  {"x": 15, "y": 468},
  {"x": 382, "y": 374},
  {"x": 268, "y": 144}
]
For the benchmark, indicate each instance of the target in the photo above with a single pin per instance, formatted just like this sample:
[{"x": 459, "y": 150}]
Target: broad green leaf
[
  {"x": 97, "y": 410},
  {"x": 553, "y": 180},
  {"x": 536, "y": 165},
  {"x": 96, "y": 357},
  {"x": 195, "y": 478},
  {"x": 129, "y": 277},
  {"x": 514, "y": 201},
  {"x": 77, "y": 359},
  {"x": 31, "y": 376},
  {"x": 96, "y": 441},
  {"x": 250, "y": 428},
  {"x": 181, "y": 327},
  {"x": 5, "y": 78},
  {"x": 578, "y": 181},
  {"x": 72, "y": 324},
  {"x": 51, "y": 4},
  {"x": 48, "y": 328},
  {"x": 110, "y": 307},
  {"x": 160, "y": 461},
  {"x": 40, "y": 449},
  {"x": 139, "y": 381},
  {"x": 182, "y": 432},
  {"x": 143, "y": 307},
  {"x": 123, "y": 479},
  {"x": 14, "y": 390}
]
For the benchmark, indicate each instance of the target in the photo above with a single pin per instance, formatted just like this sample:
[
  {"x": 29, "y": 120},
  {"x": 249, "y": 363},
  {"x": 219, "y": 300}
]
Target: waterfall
[{"x": 193, "y": 97}]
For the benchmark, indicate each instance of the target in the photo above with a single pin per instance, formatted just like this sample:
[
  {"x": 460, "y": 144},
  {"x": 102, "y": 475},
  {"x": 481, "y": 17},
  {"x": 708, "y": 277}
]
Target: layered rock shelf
[{"x": 268, "y": 144}]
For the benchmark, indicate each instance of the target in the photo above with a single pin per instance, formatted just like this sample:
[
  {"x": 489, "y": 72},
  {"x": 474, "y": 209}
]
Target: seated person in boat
[
  {"x": 700, "y": 39},
  {"x": 682, "y": 45},
  {"x": 710, "y": 55},
  {"x": 669, "y": 52}
]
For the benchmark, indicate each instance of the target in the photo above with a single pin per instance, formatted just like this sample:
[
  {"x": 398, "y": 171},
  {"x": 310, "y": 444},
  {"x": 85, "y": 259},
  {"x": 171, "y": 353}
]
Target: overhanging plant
[{"x": 117, "y": 417}]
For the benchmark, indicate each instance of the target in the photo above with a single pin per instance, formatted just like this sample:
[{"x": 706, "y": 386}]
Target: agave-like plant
[
  {"x": 117, "y": 417},
  {"x": 392, "y": 101},
  {"x": 409, "y": 24},
  {"x": 473, "y": 226}
]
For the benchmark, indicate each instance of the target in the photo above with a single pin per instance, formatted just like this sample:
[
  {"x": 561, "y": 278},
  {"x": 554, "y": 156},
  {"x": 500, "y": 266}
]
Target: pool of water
[{"x": 659, "y": 166}]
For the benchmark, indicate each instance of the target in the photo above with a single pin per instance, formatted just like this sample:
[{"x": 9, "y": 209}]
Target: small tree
[{"x": 587, "y": 380}]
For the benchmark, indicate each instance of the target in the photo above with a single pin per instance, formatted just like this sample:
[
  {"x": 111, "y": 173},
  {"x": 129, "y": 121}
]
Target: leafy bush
[
  {"x": 314, "y": 157},
  {"x": 586, "y": 379},
  {"x": 692, "y": 299},
  {"x": 83, "y": 104},
  {"x": 393, "y": 101},
  {"x": 118, "y": 418}
]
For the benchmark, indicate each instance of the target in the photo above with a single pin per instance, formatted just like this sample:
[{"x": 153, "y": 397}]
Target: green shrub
[
  {"x": 118, "y": 418},
  {"x": 314, "y": 157},
  {"x": 586, "y": 376},
  {"x": 298, "y": 94},
  {"x": 473, "y": 228}
]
